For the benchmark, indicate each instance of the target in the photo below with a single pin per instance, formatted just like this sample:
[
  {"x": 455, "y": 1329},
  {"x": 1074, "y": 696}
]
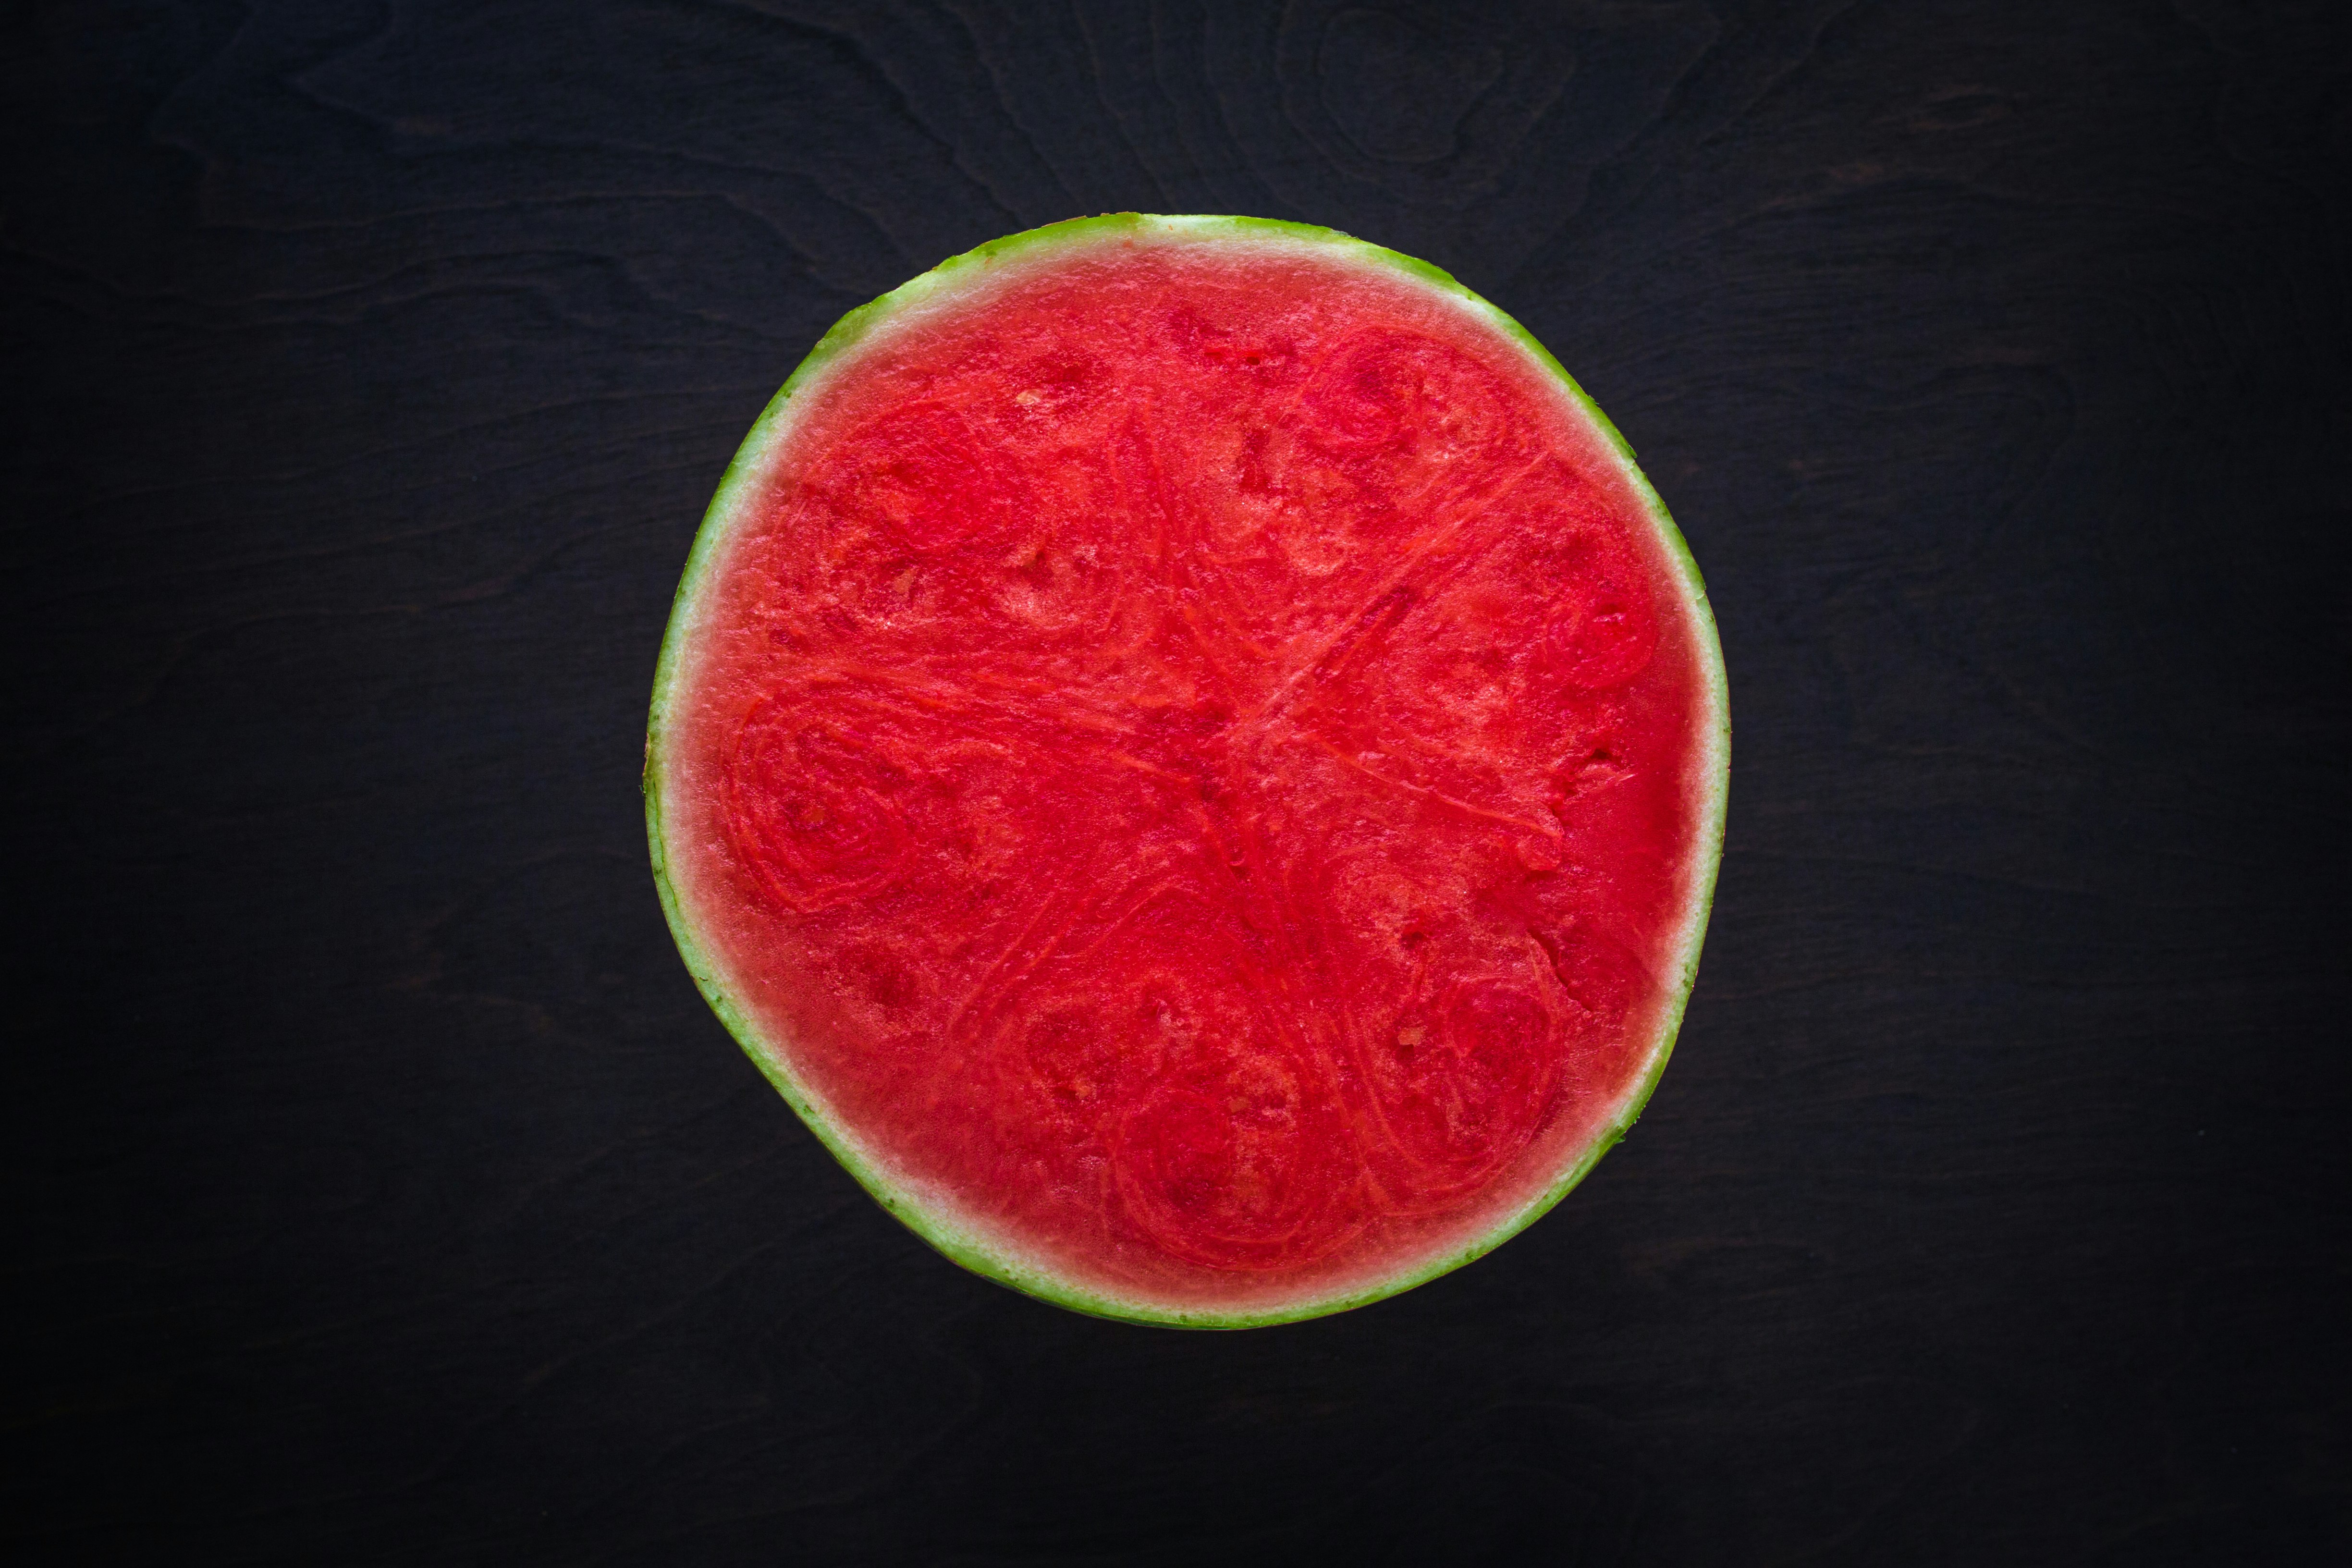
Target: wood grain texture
[{"x": 382, "y": 1191}]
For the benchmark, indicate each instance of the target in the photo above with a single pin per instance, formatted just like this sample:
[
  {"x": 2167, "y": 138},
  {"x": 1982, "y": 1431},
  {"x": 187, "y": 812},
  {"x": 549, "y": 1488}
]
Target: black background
[{"x": 381, "y": 1191}]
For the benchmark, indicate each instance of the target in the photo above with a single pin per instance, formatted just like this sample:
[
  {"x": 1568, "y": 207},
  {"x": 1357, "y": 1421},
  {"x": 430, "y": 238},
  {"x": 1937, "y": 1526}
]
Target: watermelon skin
[{"x": 1282, "y": 1164}]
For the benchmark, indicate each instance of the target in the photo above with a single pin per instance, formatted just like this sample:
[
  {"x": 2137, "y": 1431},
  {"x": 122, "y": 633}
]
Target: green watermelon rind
[{"x": 965, "y": 1246}]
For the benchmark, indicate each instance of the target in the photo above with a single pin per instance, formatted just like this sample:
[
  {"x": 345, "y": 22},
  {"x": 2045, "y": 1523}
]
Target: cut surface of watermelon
[{"x": 1192, "y": 756}]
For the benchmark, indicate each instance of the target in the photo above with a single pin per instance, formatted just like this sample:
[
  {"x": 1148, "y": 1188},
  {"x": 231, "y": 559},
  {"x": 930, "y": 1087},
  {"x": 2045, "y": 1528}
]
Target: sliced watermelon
[{"x": 1191, "y": 755}]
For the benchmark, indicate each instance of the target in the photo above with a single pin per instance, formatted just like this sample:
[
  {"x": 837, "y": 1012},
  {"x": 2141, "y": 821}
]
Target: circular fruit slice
[{"x": 1192, "y": 756}]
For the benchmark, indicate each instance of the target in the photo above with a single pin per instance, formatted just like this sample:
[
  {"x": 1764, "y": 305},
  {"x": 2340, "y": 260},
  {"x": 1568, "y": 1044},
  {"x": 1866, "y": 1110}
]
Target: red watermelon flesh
[{"x": 1193, "y": 757}]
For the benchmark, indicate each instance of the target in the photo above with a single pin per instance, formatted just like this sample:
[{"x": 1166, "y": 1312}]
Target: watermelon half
[{"x": 1191, "y": 755}]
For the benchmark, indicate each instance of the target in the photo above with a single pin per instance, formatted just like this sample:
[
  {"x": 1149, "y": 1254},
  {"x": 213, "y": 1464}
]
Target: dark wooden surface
[{"x": 379, "y": 1190}]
